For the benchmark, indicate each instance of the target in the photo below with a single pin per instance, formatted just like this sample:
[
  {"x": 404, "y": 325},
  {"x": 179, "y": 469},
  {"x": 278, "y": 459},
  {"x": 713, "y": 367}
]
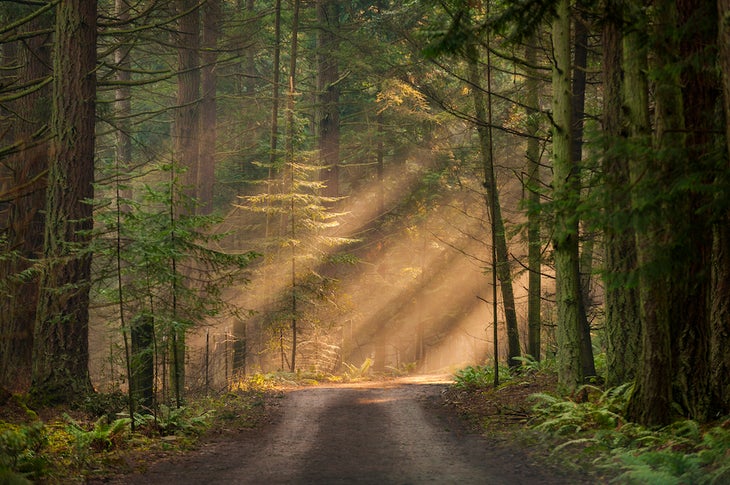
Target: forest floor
[{"x": 399, "y": 431}]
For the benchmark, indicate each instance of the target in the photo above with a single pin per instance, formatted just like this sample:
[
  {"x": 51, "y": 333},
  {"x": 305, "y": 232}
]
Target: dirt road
[{"x": 384, "y": 433}]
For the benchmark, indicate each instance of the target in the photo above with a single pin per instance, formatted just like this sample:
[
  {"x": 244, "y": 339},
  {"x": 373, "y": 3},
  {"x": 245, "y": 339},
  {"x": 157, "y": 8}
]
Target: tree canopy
[{"x": 319, "y": 184}]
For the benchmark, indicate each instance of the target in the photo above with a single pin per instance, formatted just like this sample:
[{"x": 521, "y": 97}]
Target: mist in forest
[{"x": 402, "y": 282}]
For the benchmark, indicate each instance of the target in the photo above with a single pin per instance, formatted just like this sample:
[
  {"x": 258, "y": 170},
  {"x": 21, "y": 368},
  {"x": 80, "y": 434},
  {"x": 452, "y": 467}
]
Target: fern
[
  {"x": 169, "y": 421},
  {"x": 661, "y": 467},
  {"x": 20, "y": 452},
  {"x": 103, "y": 436},
  {"x": 478, "y": 376},
  {"x": 354, "y": 372}
]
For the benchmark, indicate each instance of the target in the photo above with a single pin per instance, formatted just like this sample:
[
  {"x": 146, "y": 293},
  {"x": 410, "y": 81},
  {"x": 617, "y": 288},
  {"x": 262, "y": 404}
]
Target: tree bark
[
  {"x": 534, "y": 257},
  {"x": 492, "y": 200},
  {"x": 623, "y": 321},
  {"x": 142, "y": 377},
  {"x": 290, "y": 160},
  {"x": 565, "y": 197},
  {"x": 651, "y": 401},
  {"x": 24, "y": 179},
  {"x": 578, "y": 100},
  {"x": 186, "y": 140},
  {"x": 275, "y": 86},
  {"x": 700, "y": 90},
  {"x": 208, "y": 119},
  {"x": 720, "y": 303},
  {"x": 60, "y": 344},
  {"x": 187, "y": 112},
  {"x": 328, "y": 92}
]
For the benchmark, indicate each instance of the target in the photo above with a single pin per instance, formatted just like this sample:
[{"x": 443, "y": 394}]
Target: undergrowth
[
  {"x": 681, "y": 453},
  {"x": 21, "y": 458},
  {"x": 592, "y": 429},
  {"x": 88, "y": 441},
  {"x": 477, "y": 376}
]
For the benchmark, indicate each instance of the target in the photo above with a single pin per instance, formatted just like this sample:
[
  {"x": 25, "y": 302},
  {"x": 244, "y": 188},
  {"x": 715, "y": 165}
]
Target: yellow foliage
[{"x": 398, "y": 94}]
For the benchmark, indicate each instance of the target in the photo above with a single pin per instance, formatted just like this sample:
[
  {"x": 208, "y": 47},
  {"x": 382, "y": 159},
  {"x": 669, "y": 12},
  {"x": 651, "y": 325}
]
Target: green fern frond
[{"x": 580, "y": 441}]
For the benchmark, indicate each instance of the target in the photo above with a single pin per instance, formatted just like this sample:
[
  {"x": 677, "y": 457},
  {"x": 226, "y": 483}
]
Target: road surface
[{"x": 375, "y": 433}]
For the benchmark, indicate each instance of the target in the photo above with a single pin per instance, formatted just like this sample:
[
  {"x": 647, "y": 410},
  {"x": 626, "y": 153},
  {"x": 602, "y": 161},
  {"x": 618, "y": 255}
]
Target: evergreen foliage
[{"x": 350, "y": 172}]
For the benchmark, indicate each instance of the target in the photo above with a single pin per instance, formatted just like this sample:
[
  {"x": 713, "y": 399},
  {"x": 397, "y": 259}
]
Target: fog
[{"x": 401, "y": 280}]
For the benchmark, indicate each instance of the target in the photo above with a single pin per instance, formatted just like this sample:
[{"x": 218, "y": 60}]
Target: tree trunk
[
  {"x": 187, "y": 112},
  {"x": 720, "y": 303},
  {"x": 691, "y": 222},
  {"x": 565, "y": 195},
  {"x": 60, "y": 343},
  {"x": 651, "y": 400},
  {"x": 577, "y": 114},
  {"x": 275, "y": 85},
  {"x": 142, "y": 360},
  {"x": 329, "y": 95},
  {"x": 534, "y": 257},
  {"x": 290, "y": 160},
  {"x": 492, "y": 199},
  {"x": 186, "y": 144},
  {"x": 623, "y": 321},
  {"x": 208, "y": 128},
  {"x": 25, "y": 183}
]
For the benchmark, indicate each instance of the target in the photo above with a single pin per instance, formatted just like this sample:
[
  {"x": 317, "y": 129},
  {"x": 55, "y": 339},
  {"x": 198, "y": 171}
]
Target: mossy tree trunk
[
  {"x": 328, "y": 93},
  {"x": 691, "y": 221},
  {"x": 578, "y": 101},
  {"x": 623, "y": 323},
  {"x": 208, "y": 123},
  {"x": 186, "y": 141},
  {"x": 720, "y": 303},
  {"x": 565, "y": 199},
  {"x": 651, "y": 400},
  {"x": 23, "y": 185},
  {"x": 60, "y": 344},
  {"x": 534, "y": 297}
]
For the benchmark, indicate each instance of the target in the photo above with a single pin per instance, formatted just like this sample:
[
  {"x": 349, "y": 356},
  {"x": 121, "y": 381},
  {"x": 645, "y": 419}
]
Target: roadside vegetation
[
  {"x": 590, "y": 428},
  {"x": 92, "y": 439}
]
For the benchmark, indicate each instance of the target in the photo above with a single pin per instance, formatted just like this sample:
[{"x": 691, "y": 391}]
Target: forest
[{"x": 197, "y": 191}]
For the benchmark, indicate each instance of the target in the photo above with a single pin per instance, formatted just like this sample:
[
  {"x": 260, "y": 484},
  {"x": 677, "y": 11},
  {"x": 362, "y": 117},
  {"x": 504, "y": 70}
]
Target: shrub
[{"x": 20, "y": 452}]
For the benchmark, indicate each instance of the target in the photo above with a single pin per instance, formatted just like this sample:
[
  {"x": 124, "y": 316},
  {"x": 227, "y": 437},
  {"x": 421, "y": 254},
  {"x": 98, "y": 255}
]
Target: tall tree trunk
[
  {"x": 186, "y": 144},
  {"x": 700, "y": 90},
  {"x": 329, "y": 95},
  {"x": 251, "y": 54},
  {"x": 208, "y": 122},
  {"x": 720, "y": 303},
  {"x": 187, "y": 112},
  {"x": 534, "y": 257},
  {"x": 565, "y": 195},
  {"x": 504, "y": 273},
  {"x": 24, "y": 182},
  {"x": 275, "y": 86},
  {"x": 123, "y": 98},
  {"x": 651, "y": 400},
  {"x": 623, "y": 321},
  {"x": 290, "y": 161},
  {"x": 60, "y": 343},
  {"x": 580, "y": 63}
]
